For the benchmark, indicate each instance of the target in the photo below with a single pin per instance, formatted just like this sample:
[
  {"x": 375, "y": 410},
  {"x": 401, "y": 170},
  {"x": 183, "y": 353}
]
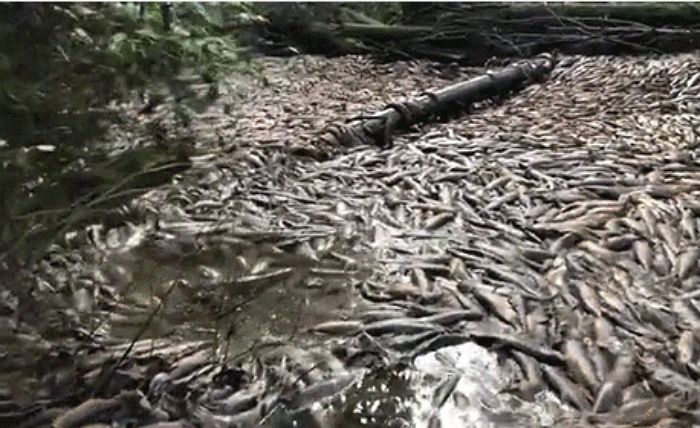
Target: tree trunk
[
  {"x": 472, "y": 33},
  {"x": 379, "y": 128},
  {"x": 651, "y": 14}
]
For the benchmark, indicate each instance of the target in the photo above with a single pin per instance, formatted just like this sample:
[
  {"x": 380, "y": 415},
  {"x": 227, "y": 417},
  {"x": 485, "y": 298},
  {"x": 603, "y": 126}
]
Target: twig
[
  {"x": 144, "y": 327},
  {"x": 228, "y": 311},
  {"x": 583, "y": 28},
  {"x": 508, "y": 42}
]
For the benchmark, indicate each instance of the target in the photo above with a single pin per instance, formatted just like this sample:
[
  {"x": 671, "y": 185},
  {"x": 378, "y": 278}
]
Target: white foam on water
[{"x": 481, "y": 382}]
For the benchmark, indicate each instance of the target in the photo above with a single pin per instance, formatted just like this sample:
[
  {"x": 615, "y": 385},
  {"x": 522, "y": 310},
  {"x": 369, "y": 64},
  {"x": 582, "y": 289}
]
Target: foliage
[
  {"x": 385, "y": 12},
  {"x": 63, "y": 70}
]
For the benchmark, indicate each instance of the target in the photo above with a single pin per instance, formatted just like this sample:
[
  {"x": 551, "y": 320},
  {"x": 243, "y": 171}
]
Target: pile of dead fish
[{"x": 558, "y": 229}]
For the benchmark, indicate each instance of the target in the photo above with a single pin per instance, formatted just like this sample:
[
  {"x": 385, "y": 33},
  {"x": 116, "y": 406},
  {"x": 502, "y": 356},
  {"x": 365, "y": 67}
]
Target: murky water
[{"x": 230, "y": 292}]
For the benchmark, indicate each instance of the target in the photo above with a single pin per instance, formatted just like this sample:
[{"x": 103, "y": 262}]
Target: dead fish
[
  {"x": 533, "y": 375},
  {"x": 404, "y": 291},
  {"x": 687, "y": 313},
  {"x": 649, "y": 220},
  {"x": 498, "y": 182},
  {"x": 687, "y": 263},
  {"x": 578, "y": 364},
  {"x": 338, "y": 327},
  {"x": 453, "y": 177},
  {"x": 381, "y": 314},
  {"x": 567, "y": 390},
  {"x": 635, "y": 226},
  {"x": 444, "y": 390},
  {"x": 173, "y": 424},
  {"x": 409, "y": 342},
  {"x": 621, "y": 242},
  {"x": 189, "y": 364},
  {"x": 248, "y": 418},
  {"x": 685, "y": 347},
  {"x": 451, "y": 317},
  {"x": 98, "y": 410},
  {"x": 506, "y": 198},
  {"x": 669, "y": 235},
  {"x": 536, "y": 320},
  {"x": 599, "y": 358},
  {"x": 415, "y": 185},
  {"x": 439, "y": 220},
  {"x": 571, "y": 214},
  {"x": 430, "y": 259},
  {"x": 535, "y": 254},
  {"x": 598, "y": 251},
  {"x": 664, "y": 381},
  {"x": 237, "y": 402},
  {"x": 463, "y": 302},
  {"x": 266, "y": 278},
  {"x": 620, "y": 377},
  {"x": 658, "y": 318},
  {"x": 399, "y": 326},
  {"x": 589, "y": 297},
  {"x": 421, "y": 280},
  {"x": 433, "y": 269},
  {"x": 396, "y": 177},
  {"x": 661, "y": 263},
  {"x": 438, "y": 342},
  {"x": 348, "y": 262},
  {"x": 538, "y": 211},
  {"x": 688, "y": 225},
  {"x": 612, "y": 299},
  {"x": 527, "y": 346},
  {"x": 642, "y": 251},
  {"x": 41, "y": 419},
  {"x": 320, "y": 391},
  {"x": 520, "y": 308},
  {"x": 642, "y": 412},
  {"x": 498, "y": 304},
  {"x": 434, "y": 207},
  {"x": 328, "y": 273}
]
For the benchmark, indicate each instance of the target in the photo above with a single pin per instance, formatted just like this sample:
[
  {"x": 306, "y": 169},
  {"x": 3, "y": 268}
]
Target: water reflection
[
  {"x": 457, "y": 386},
  {"x": 227, "y": 291},
  {"x": 383, "y": 398}
]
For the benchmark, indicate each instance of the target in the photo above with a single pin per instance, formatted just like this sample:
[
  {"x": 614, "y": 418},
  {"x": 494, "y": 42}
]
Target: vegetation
[{"x": 65, "y": 71}]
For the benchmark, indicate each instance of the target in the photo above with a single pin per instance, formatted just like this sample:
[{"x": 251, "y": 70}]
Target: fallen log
[
  {"x": 470, "y": 34},
  {"x": 649, "y": 13},
  {"x": 517, "y": 38},
  {"x": 379, "y": 128}
]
